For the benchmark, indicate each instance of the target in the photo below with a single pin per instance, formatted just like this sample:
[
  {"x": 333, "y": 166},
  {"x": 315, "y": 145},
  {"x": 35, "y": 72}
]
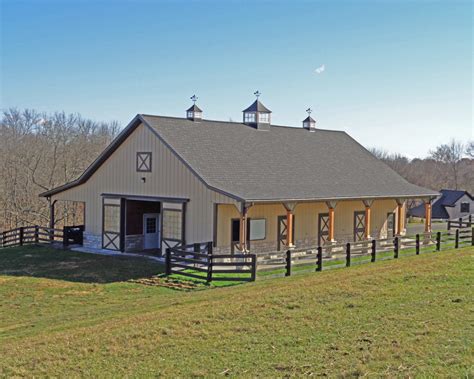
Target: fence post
[
  {"x": 197, "y": 247},
  {"x": 460, "y": 222},
  {"x": 209, "y": 247},
  {"x": 456, "y": 241},
  {"x": 449, "y": 224},
  {"x": 395, "y": 247},
  {"x": 438, "y": 241},
  {"x": 36, "y": 234},
  {"x": 374, "y": 249},
  {"x": 319, "y": 262},
  {"x": 254, "y": 267},
  {"x": 168, "y": 261},
  {"x": 21, "y": 235},
  {"x": 348, "y": 254},
  {"x": 288, "y": 263},
  {"x": 417, "y": 246},
  {"x": 472, "y": 237},
  {"x": 209, "y": 268},
  {"x": 469, "y": 220},
  {"x": 65, "y": 236}
]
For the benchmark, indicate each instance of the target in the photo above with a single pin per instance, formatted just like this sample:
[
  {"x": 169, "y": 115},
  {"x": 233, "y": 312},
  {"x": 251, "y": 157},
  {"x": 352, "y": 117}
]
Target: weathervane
[
  {"x": 194, "y": 98},
  {"x": 257, "y": 93},
  {"x": 309, "y": 110}
]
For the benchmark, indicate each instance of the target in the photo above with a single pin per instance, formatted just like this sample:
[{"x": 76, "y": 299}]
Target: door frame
[
  {"x": 157, "y": 216},
  {"x": 355, "y": 229}
]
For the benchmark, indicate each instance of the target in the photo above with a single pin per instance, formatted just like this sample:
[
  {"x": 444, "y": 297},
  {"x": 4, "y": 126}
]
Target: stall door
[
  {"x": 282, "y": 232},
  {"x": 151, "y": 231},
  {"x": 112, "y": 223},
  {"x": 323, "y": 228},
  {"x": 390, "y": 224},
  {"x": 359, "y": 226}
]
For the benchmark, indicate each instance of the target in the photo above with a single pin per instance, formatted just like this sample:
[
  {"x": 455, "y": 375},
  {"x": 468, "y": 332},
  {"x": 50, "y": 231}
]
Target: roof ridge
[{"x": 239, "y": 123}]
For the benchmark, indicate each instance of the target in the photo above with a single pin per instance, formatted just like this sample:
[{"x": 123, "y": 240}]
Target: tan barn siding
[
  {"x": 169, "y": 177},
  {"x": 306, "y": 220}
]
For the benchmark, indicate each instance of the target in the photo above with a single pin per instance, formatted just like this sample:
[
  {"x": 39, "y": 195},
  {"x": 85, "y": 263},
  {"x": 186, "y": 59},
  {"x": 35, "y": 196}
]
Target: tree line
[
  {"x": 448, "y": 166},
  {"x": 40, "y": 151}
]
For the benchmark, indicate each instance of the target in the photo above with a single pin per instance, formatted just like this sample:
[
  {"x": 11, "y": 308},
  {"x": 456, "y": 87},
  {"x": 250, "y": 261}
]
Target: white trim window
[
  {"x": 249, "y": 117},
  {"x": 264, "y": 117}
]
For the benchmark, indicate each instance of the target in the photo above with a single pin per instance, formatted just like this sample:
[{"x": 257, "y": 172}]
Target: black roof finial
[
  {"x": 194, "y": 98},
  {"x": 257, "y": 93},
  {"x": 308, "y": 111}
]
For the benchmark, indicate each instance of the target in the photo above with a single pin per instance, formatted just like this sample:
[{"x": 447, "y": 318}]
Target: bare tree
[
  {"x": 470, "y": 149},
  {"x": 450, "y": 154},
  {"x": 40, "y": 151}
]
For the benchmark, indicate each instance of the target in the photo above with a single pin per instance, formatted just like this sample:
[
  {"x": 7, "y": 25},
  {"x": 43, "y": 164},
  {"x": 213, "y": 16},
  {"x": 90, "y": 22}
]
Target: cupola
[
  {"x": 194, "y": 113},
  {"x": 257, "y": 115},
  {"x": 309, "y": 123}
]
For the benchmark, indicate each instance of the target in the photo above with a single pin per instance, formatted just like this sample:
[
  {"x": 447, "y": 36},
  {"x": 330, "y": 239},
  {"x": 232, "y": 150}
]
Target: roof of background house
[
  {"x": 282, "y": 163},
  {"x": 447, "y": 198}
]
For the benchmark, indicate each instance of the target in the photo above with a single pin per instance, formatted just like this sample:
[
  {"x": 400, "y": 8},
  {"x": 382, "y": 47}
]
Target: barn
[{"x": 245, "y": 186}]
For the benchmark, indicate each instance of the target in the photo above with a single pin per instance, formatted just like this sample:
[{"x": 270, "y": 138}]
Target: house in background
[
  {"x": 247, "y": 185},
  {"x": 449, "y": 205}
]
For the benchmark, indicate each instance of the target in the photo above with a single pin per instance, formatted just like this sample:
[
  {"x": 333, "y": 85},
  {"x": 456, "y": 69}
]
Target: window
[
  {"x": 112, "y": 218},
  {"x": 264, "y": 117},
  {"x": 190, "y": 114},
  {"x": 197, "y": 114},
  {"x": 151, "y": 225},
  {"x": 172, "y": 224},
  {"x": 249, "y": 117},
  {"x": 144, "y": 162},
  {"x": 465, "y": 207},
  {"x": 257, "y": 229}
]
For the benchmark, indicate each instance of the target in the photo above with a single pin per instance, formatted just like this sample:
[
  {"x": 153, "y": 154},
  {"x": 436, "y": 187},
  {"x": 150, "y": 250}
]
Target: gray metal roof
[
  {"x": 257, "y": 106},
  {"x": 283, "y": 163},
  {"x": 194, "y": 108}
]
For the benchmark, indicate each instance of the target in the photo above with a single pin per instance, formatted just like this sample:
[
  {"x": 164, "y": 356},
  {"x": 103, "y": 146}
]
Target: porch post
[
  {"x": 51, "y": 218},
  {"x": 290, "y": 208},
  {"x": 331, "y": 205},
  {"x": 428, "y": 216},
  {"x": 243, "y": 227},
  {"x": 368, "y": 204},
  {"x": 400, "y": 203}
]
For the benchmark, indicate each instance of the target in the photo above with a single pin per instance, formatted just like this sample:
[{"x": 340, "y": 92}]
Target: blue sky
[{"x": 397, "y": 74}]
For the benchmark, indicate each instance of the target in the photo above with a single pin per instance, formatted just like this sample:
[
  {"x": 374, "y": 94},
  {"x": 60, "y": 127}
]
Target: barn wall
[
  {"x": 169, "y": 178},
  {"x": 306, "y": 221}
]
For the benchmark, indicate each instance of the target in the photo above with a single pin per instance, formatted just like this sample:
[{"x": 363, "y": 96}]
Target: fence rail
[
  {"x": 197, "y": 261},
  {"x": 36, "y": 234},
  {"x": 462, "y": 222}
]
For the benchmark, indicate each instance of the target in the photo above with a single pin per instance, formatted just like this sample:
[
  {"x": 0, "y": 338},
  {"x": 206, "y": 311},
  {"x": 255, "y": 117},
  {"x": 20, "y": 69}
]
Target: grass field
[{"x": 73, "y": 314}]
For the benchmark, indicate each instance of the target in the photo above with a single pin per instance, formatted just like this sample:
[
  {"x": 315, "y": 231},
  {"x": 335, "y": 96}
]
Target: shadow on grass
[{"x": 45, "y": 262}]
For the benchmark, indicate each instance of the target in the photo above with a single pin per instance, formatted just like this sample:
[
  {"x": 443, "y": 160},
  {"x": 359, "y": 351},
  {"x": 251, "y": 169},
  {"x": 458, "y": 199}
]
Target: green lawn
[{"x": 69, "y": 314}]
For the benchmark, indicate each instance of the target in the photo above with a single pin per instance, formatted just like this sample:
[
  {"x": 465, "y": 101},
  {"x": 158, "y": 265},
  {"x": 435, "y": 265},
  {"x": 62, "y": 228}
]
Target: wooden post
[
  {"x": 36, "y": 234},
  {"x": 168, "y": 261},
  {"x": 51, "y": 219},
  {"x": 243, "y": 228},
  {"x": 197, "y": 247},
  {"x": 65, "y": 237},
  {"x": 348, "y": 254},
  {"x": 427, "y": 216},
  {"x": 417, "y": 248},
  {"x": 209, "y": 247},
  {"x": 209, "y": 268},
  {"x": 456, "y": 241},
  {"x": 472, "y": 237},
  {"x": 395, "y": 247},
  {"x": 21, "y": 235},
  {"x": 374, "y": 249},
  {"x": 289, "y": 228},
  {"x": 449, "y": 224},
  {"x": 469, "y": 220},
  {"x": 399, "y": 217},
  {"x": 368, "y": 204},
  {"x": 288, "y": 263},
  {"x": 438, "y": 241},
  {"x": 253, "y": 276},
  {"x": 319, "y": 262},
  {"x": 331, "y": 225}
]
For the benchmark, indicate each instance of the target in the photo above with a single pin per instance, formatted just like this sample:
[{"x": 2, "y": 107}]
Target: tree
[
  {"x": 470, "y": 149},
  {"x": 449, "y": 154}
]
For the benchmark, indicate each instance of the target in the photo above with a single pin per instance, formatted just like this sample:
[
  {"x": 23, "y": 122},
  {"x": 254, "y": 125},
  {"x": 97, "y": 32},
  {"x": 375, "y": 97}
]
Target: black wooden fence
[
  {"x": 287, "y": 263},
  {"x": 465, "y": 222},
  {"x": 34, "y": 234},
  {"x": 197, "y": 261}
]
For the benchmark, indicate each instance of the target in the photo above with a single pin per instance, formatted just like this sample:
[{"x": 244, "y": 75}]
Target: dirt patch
[{"x": 159, "y": 281}]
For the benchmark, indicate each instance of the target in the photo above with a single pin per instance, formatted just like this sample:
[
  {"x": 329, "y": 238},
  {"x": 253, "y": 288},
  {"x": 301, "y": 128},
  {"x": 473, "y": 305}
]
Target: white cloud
[{"x": 320, "y": 69}]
